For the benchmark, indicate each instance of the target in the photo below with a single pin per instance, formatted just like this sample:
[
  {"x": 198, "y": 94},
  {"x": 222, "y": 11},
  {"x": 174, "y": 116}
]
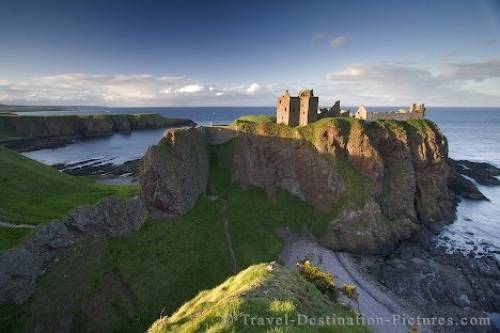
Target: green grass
[
  {"x": 32, "y": 193},
  {"x": 260, "y": 291},
  {"x": 257, "y": 119}
]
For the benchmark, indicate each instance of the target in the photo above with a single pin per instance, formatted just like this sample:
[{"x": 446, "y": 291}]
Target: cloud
[
  {"x": 385, "y": 83},
  {"x": 338, "y": 42},
  {"x": 253, "y": 88},
  {"x": 131, "y": 90},
  {"x": 192, "y": 89}
]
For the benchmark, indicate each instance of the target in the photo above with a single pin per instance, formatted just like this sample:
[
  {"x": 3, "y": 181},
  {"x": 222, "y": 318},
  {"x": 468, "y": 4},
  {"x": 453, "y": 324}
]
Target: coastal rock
[
  {"x": 174, "y": 172},
  {"x": 396, "y": 172},
  {"x": 24, "y": 133},
  {"x": 19, "y": 267},
  {"x": 483, "y": 173},
  {"x": 383, "y": 179},
  {"x": 441, "y": 283},
  {"x": 460, "y": 186},
  {"x": 360, "y": 231}
]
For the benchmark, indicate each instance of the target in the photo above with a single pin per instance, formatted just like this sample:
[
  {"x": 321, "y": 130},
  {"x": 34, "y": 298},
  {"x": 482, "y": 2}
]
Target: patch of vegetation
[
  {"x": 10, "y": 237},
  {"x": 349, "y": 290},
  {"x": 257, "y": 119},
  {"x": 32, "y": 193},
  {"x": 260, "y": 291},
  {"x": 322, "y": 280}
]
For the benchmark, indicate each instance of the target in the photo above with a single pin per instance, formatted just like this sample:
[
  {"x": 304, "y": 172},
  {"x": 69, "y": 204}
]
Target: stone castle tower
[{"x": 297, "y": 110}]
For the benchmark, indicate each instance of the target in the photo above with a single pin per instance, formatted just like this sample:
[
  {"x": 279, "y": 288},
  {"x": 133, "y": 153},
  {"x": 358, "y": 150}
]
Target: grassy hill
[
  {"x": 166, "y": 263},
  {"x": 32, "y": 193},
  {"x": 243, "y": 301}
]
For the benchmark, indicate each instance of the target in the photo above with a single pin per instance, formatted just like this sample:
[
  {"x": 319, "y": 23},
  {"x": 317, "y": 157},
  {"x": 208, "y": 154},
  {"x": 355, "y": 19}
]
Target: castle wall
[
  {"x": 308, "y": 110},
  {"x": 287, "y": 110},
  {"x": 372, "y": 116}
]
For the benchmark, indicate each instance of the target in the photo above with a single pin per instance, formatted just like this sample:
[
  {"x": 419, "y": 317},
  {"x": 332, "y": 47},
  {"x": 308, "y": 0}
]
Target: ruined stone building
[
  {"x": 297, "y": 110},
  {"x": 334, "y": 111},
  {"x": 415, "y": 112}
]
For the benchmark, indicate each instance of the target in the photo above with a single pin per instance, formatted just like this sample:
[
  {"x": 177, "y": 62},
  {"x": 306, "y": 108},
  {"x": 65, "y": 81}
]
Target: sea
[{"x": 473, "y": 134}]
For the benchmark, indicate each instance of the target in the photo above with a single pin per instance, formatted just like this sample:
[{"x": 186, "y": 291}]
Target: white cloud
[
  {"x": 386, "y": 83},
  {"x": 131, "y": 90},
  {"x": 192, "y": 89},
  {"x": 338, "y": 42},
  {"x": 253, "y": 88}
]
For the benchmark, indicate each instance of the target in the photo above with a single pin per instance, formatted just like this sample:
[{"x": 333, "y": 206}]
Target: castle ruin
[
  {"x": 302, "y": 110},
  {"x": 297, "y": 110},
  {"x": 415, "y": 112}
]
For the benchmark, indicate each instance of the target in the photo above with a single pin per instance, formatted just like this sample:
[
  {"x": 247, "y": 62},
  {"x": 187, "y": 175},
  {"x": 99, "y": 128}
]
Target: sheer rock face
[
  {"x": 403, "y": 168},
  {"x": 289, "y": 164},
  {"x": 174, "y": 172}
]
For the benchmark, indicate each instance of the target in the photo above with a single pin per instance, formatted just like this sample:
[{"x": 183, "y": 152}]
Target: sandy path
[{"x": 380, "y": 311}]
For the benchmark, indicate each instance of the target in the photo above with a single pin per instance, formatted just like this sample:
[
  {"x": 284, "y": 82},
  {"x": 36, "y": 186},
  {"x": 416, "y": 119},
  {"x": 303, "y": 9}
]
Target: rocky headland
[
  {"x": 382, "y": 189},
  {"x": 381, "y": 182},
  {"x": 25, "y": 133}
]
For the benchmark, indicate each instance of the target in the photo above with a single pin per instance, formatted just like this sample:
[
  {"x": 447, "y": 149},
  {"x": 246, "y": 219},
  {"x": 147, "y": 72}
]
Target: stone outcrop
[
  {"x": 439, "y": 283},
  {"x": 25, "y": 133},
  {"x": 390, "y": 178},
  {"x": 365, "y": 230},
  {"x": 174, "y": 172},
  {"x": 20, "y": 267},
  {"x": 381, "y": 182}
]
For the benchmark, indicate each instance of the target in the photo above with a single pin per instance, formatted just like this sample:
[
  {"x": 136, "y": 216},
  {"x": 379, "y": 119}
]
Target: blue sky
[{"x": 175, "y": 53}]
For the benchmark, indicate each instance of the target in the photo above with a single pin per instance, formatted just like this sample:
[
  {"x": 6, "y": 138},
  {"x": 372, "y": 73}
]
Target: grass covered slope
[
  {"x": 32, "y": 193},
  {"x": 244, "y": 301},
  {"x": 165, "y": 263}
]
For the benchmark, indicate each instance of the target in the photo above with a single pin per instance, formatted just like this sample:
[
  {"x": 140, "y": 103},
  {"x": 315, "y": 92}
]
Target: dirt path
[
  {"x": 16, "y": 226},
  {"x": 228, "y": 236},
  {"x": 380, "y": 311}
]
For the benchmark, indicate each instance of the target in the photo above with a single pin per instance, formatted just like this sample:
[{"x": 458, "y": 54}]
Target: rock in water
[{"x": 174, "y": 172}]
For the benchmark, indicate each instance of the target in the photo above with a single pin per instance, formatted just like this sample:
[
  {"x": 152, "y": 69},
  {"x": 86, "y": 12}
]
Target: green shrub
[
  {"x": 322, "y": 280},
  {"x": 349, "y": 289}
]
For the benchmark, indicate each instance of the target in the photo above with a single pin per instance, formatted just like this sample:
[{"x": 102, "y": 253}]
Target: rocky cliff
[
  {"x": 174, "y": 172},
  {"x": 380, "y": 181},
  {"x": 15, "y": 130}
]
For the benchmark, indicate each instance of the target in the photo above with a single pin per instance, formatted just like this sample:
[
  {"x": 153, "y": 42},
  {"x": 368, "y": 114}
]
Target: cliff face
[
  {"x": 14, "y": 128},
  {"x": 174, "y": 173},
  {"x": 379, "y": 181}
]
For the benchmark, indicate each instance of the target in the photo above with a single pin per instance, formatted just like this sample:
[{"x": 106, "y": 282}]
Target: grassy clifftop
[
  {"x": 244, "y": 301},
  {"x": 32, "y": 193},
  {"x": 14, "y": 127}
]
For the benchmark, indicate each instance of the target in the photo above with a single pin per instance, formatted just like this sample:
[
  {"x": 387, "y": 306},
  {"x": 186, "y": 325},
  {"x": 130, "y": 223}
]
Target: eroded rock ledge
[{"x": 20, "y": 267}]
